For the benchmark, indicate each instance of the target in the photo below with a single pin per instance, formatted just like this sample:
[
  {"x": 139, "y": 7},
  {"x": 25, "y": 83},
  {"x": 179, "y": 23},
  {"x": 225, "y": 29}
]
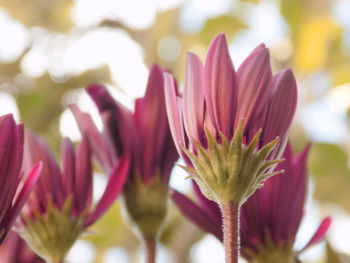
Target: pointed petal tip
[
  {"x": 219, "y": 41},
  {"x": 156, "y": 67}
]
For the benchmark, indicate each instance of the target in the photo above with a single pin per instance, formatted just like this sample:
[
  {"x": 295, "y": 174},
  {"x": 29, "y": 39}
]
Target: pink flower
[
  {"x": 279, "y": 208},
  {"x": 143, "y": 135},
  {"x": 13, "y": 192},
  {"x": 227, "y": 124},
  {"x": 15, "y": 249},
  {"x": 74, "y": 180},
  {"x": 272, "y": 215},
  {"x": 218, "y": 98},
  {"x": 60, "y": 207}
]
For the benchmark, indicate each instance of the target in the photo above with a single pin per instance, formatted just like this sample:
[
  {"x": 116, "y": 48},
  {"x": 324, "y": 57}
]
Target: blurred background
[{"x": 50, "y": 49}]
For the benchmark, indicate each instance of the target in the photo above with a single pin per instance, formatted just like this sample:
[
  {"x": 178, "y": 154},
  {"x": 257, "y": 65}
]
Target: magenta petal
[
  {"x": 103, "y": 152},
  {"x": 175, "y": 121},
  {"x": 282, "y": 105},
  {"x": 24, "y": 193},
  {"x": 193, "y": 98},
  {"x": 152, "y": 123},
  {"x": 210, "y": 207},
  {"x": 320, "y": 232},
  {"x": 50, "y": 183},
  {"x": 120, "y": 121},
  {"x": 220, "y": 86},
  {"x": 114, "y": 187},
  {"x": 83, "y": 176},
  {"x": 254, "y": 85},
  {"x": 198, "y": 216},
  {"x": 68, "y": 164}
]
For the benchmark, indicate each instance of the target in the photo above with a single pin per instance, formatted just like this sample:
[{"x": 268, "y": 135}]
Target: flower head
[
  {"x": 270, "y": 218},
  {"x": 145, "y": 137},
  {"x": 60, "y": 207},
  {"x": 231, "y": 127},
  {"x": 13, "y": 191}
]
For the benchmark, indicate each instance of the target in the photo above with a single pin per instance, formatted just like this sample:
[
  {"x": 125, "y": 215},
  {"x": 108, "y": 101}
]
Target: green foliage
[{"x": 329, "y": 166}]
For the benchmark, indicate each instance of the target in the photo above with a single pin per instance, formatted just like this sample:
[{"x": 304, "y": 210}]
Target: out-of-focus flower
[
  {"x": 270, "y": 218},
  {"x": 226, "y": 124},
  {"x": 15, "y": 249},
  {"x": 60, "y": 207},
  {"x": 144, "y": 136},
  {"x": 13, "y": 192}
]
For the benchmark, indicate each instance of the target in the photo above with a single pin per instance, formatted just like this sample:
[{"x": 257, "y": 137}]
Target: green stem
[{"x": 230, "y": 213}]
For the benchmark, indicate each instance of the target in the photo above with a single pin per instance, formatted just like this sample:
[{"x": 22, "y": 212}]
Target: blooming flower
[
  {"x": 227, "y": 127},
  {"x": 250, "y": 106},
  {"x": 13, "y": 195},
  {"x": 144, "y": 135},
  {"x": 270, "y": 218},
  {"x": 60, "y": 207},
  {"x": 15, "y": 249}
]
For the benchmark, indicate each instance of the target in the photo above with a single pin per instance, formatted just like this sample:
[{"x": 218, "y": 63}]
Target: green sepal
[
  {"x": 146, "y": 205},
  {"x": 53, "y": 233},
  {"x": 270, "y": 252},
  {"x": 231, "y": 171}
]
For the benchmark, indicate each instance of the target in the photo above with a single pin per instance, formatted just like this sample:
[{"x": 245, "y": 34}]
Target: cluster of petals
[
  {"x": 219, "y": 99},
  {"x": 273, "y": 213},
  {"x": 73, "y": 181},
  {"x": 143, "y": 135},
  {"x": 14, "y": 191}
]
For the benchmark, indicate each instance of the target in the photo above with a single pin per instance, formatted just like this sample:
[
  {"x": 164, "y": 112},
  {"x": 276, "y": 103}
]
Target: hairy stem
[{"x": 230, "y": 213}]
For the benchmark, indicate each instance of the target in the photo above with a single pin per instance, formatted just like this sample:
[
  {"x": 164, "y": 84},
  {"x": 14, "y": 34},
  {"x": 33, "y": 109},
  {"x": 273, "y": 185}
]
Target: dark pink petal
[
  {"x": 254, "y": 86},
  {"x": 68, "y": 165},
  {"x": 50, "y": 184},
  {"x": 196, "y": 215},
  {"x": 102, "y": 149},
  {"x": 281, "y": 106},
  {"x": 22, "y": 196},
  {"x": 114, "y": 187},
  {"x": 175, "y": 120},
  {"x": 320, "y": 232},
  {"x": 9, "y": 151},
  {"x": 210, "y": 207},
  {"x": 152, "y": 123},
  {"x": 120, "y": 121},
  {"x": 220, "y": 86},
  {"x": 193, "y": 98},
  {"x": 83, "y": 177}
]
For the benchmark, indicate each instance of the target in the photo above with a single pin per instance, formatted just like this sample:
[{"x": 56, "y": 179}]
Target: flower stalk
[
  {"x": 230, "y": 213},
  {"x": 150, "y": 246}
]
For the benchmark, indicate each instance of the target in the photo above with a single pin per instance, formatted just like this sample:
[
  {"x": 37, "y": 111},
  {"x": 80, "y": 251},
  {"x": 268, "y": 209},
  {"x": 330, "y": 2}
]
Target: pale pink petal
[
  {"x": 281, "y": 106},
  {"x": 254, "y": 86},
  {"x": 175, "y": 120},
  {"x": 193, "y": 98},
  {"x": 220, "y": 86}
]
